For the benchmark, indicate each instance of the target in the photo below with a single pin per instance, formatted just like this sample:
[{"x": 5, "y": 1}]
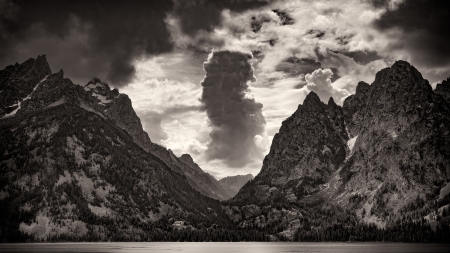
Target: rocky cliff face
[
  {"x": 308, "y": 149},
  {"x": 18, "y": 81},
  {"x": 401, "y": 150},
  {"x": 443, "y": 89},
  {"x": 233, "y": 184},
  {"x": 118, "y": 107},
  {"x": 73, "y": 165},
  {"x": 383, "y": 154}
]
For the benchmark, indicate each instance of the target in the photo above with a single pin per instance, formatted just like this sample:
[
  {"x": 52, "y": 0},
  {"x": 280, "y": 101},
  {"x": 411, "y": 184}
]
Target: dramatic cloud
[
  {"x": 197, "y": 15},
  {"x": 236, "y": 119},
  {"x": 363, "y": 57},
  {"x": 423, "y": 29},
  {"x": 85, "y": 38},
  {"x": 319, "y": 81},
  {"x": 294, "y": 47},
  {"x": 166, "y": 104},
  {"x": 295, "y": 66}
]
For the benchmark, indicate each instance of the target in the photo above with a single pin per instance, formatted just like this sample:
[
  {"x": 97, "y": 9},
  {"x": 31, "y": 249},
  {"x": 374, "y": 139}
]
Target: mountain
[
  {"x": 118, "y": 107},
  {"x": 202, "y": 181},
  {"x": 443, "y": 89},
  {"x": 76, "y": 165},
  {"x": 18, "y": 81},
  {"x": 382, "y": 158},
  {"x": 233, "y": 184}
]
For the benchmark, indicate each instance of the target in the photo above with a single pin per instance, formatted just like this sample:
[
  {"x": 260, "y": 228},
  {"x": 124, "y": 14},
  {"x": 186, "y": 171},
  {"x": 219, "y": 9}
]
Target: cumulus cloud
[
  {"x": 235, "y": 117},
  {"x": 319, "y": 81}
]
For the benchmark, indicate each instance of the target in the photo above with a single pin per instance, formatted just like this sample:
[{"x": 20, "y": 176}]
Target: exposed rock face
[
  {"x": 233, "y": 184},
  {"x": 308, "y": 149},
  {"x": 403, "y": 134},
  {"x": 202, "y": 181},
  {"x": 119, "y": 108},
  {"x": 353, "y": 103},
  {"x": 74, "y": 165},
  {"x": 18, "y": 81},
  {"x": 387, "y": 146},
  {"x": 443, "y": 89}
]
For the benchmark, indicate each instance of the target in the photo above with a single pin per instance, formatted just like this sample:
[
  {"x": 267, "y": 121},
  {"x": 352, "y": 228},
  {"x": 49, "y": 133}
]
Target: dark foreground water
[{"x": 222, "y": 247}]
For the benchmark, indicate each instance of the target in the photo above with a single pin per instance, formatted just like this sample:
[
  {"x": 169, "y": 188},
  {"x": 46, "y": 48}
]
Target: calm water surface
[{"x": 222, "y": 247}]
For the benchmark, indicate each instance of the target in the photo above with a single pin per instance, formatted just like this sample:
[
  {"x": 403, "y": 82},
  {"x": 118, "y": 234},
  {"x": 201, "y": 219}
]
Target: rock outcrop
[
  {"x": 19, "y": 80},
  {"x": 387, "y": 148},
  {"x": 308, "y": 149},
  {"x": 443, "y": 89}
]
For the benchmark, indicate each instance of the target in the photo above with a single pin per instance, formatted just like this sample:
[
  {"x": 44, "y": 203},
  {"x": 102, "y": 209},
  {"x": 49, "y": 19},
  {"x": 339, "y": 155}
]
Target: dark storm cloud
[
  {"x": 86, "y": 38},
  {"x": 379, "y": 3},
  {"x": 363, "y": 57},
  {"x": 424, "y": 25},
  {"x": 196, "y": 15},
  {"x": 235, "y": 118},
  {"x": 284, "y": 16},
  {"x": 296, "y": 66}
]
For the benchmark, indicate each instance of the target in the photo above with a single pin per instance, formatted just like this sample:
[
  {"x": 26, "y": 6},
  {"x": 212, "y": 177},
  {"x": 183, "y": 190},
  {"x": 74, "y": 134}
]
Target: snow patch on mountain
[
  {"x": 92, "y": 86},
  {"x": 18, "y": 104},
  {"x": 351, "y": 142}
]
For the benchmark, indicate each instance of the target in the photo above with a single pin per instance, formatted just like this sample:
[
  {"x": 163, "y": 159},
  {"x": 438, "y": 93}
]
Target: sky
[{"x": 216, "y": 78}]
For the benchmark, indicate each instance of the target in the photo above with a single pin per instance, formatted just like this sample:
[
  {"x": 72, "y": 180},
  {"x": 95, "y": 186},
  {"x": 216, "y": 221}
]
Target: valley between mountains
[{"x": 76, "y": 165}]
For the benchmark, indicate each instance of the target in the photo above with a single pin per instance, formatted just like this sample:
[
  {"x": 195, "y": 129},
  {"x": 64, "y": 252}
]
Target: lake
[{"x": 222, "y": 247}]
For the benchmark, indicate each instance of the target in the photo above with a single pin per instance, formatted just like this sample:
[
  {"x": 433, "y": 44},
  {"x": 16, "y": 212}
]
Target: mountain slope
[
  {"x": 202, "y": 181},
  {"x": 69, "y": 170},
  {"x": 18, "y": 81},
  {"x": 233, "y": 184},
  {"x": 118, "y": 107},
  {"x": 308, "y": 149},
  {"x": 382, "y": 157},
  {"x": 443, "y": 89}
]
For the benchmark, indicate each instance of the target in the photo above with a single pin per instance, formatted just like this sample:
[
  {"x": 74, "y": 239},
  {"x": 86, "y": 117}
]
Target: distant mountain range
[
  {"x": 76, "y": 165},
  {"x": 234, "y": 183}
]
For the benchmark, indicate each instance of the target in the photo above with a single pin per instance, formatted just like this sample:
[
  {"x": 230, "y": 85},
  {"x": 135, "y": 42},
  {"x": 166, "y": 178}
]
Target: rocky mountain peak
[
  {"x": 362, "y": 88},
  {"x": 186, "y": 158},
  {"x": 198, "y": 179},
  {"x": 60, "y": 74},
  {"x": 403, "y": 68},
  {"x": 331, "y": 102},
  {"x": 400, "y": 76},
  {"x": 18, "y": 81},
  {"x": 443, "y": 89},
  {"x": 312, "y": 99},
  {"x": 390, "y": 132},
  {"x": 101, "y": 90}
]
